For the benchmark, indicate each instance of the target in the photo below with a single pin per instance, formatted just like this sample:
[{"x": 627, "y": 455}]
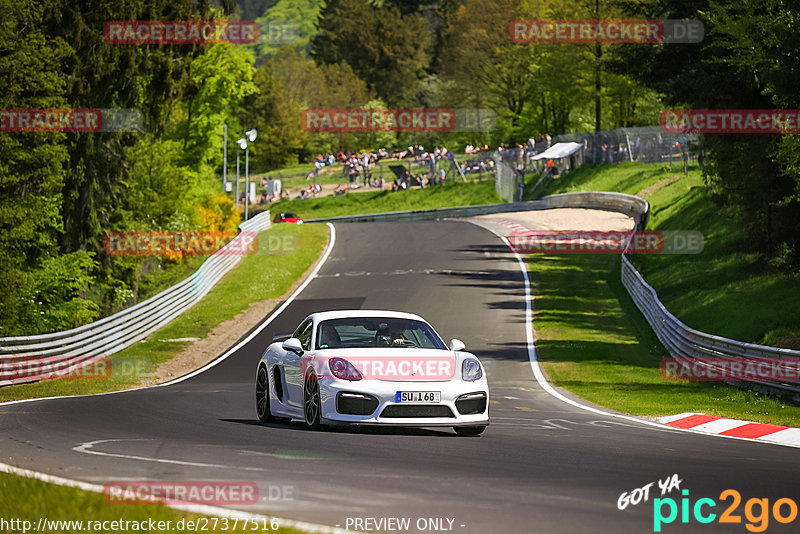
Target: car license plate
[{"x": 418, "y": 396}]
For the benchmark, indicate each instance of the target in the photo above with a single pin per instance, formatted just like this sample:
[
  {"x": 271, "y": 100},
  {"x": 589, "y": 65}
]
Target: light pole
[
  {"x": 225, "y": 159},
  {"x": 237, "y": 175},
  {"x": 251, "y": 136}
]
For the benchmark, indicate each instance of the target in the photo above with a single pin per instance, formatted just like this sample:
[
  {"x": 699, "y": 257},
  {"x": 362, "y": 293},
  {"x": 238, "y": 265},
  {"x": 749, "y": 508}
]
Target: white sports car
[{"x": 372, "y": 367}]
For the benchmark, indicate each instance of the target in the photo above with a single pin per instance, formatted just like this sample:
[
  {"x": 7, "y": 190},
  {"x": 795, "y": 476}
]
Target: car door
[{"x": 292, "y": 365}]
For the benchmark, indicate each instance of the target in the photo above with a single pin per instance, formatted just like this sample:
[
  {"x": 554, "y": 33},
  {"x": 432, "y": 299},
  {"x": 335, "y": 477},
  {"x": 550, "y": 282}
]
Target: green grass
[
  {"x": 285, "y": 252},
  {"x": 28, "y": 499},
  {"x": 595, "y": 342},
  {"x": 443, "y": 196},
  {"x": 722, "y": 290}
]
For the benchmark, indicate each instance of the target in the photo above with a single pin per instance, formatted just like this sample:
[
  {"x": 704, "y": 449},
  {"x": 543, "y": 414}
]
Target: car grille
[
  {"x": 416, "y": 410},
  {"x": 471, "y": 403},
  {"x": 355, "y": 403}
]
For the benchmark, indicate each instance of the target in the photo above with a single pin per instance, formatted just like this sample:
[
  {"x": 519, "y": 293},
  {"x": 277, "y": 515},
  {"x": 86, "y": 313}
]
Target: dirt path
[{"x": 566, "y": 219}]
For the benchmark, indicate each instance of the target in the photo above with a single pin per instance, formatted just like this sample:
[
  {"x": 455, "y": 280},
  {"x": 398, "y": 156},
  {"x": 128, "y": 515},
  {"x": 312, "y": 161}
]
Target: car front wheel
[
  {"x": 262, "y": 395},
  {"x": 312, "y": 407}
]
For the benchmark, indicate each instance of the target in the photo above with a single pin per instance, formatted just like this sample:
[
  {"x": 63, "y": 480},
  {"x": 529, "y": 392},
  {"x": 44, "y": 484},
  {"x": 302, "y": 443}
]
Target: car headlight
[
  {"x": 471, "y": 370},
  {"x": 343, "y": 370}
]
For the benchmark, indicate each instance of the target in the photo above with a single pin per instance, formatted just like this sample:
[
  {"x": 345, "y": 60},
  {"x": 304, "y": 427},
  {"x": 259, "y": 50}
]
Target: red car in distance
[{"x": 287, "y": 217}]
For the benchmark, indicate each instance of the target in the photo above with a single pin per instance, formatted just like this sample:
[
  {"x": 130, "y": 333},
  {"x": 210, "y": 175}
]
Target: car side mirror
[
  {"x": 293, "y": 344},
  {"x": 457, "y": 345}
]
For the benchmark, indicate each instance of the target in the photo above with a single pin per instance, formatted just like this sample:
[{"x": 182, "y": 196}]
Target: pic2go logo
[{"x": 756, "y": 511}]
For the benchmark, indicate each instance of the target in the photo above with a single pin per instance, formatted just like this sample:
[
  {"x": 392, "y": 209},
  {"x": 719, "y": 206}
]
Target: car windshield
[
  {"x": 367, "y": 332},
  {"x": 290, "y": 216}
]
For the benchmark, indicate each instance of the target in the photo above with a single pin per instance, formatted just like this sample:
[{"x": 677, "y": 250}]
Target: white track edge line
[
  {"x": 202, "y": 509},
  {"x": 543, "y": 382}
]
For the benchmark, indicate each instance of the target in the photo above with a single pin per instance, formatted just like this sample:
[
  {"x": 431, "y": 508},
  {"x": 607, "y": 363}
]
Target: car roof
[{"x": 343, "y": 314}]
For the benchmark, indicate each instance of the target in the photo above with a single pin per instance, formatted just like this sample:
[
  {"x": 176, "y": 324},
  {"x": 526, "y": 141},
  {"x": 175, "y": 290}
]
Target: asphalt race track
[{"x": 542, "y": 466}]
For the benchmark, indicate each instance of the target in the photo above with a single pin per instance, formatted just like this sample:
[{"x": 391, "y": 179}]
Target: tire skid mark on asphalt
[{"x": 402, "y": 272}]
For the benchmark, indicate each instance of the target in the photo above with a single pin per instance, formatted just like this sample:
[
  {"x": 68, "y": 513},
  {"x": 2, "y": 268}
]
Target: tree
[
  {"x": 39, "y": 289},
  {"x": 750, "y": 49},
  {"x": 288, "y": 22},
  {"x": 220, "y": 79},
  {"x": 277, "y": 117},
  {"x": 150, "y": 78},
  {"x": 486, "y": 68},
  {"x": 312, "y": 86},
  {"x": 385, "y": 48}
]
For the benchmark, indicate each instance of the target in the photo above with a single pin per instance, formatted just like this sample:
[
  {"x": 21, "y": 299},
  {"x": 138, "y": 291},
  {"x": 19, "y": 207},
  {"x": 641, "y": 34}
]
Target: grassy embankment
[
  {"x": 26, "y": 499},
  {"x": 596, "y": 343},
  {"x": 441, "y": 196}
]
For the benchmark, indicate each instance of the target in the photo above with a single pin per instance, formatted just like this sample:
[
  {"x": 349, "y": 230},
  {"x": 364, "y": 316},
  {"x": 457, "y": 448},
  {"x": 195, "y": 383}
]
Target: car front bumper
[{"x": 390, "y": 412}]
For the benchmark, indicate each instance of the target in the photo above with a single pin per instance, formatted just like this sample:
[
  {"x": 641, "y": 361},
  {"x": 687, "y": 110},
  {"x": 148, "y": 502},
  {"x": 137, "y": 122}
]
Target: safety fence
[
  {"x": 645, "y": 144},
  {"x": 707, "y": 351},
  {"x": 33, "y": 358},
  {"x": 509, "y": 181}
]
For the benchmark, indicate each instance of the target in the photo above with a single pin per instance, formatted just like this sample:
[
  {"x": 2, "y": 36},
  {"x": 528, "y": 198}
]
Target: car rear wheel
[
  {"x": 312, "y": 407},
  {"x": 262, "y": 395},
  {"x": 469, "y": 430}
]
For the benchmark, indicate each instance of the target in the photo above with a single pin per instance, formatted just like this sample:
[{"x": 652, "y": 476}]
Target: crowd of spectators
[
  {"x": 520, "y": 156},
  {"x": 358, "y": 168},
  {"x": 646, "y": 149}
]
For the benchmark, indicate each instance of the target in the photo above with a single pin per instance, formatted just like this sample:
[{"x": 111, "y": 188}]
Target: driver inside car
[
  {"x": 397, "y": 337},
  {"x": 389, "y": 337},
  {"x": 329, "y": 339}
]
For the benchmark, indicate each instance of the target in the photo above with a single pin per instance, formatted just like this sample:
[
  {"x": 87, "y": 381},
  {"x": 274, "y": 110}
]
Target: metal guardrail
[
  {"x": 33, "y": 358},
  {"x": 688, "y": 345},
  {"x": 434, "y": 214},
  {"x": 630, "y": 205}
]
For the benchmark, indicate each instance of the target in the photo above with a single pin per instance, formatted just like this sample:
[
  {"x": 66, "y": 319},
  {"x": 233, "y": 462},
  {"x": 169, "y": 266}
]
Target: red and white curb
[{"x": 735, "y": 428}]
